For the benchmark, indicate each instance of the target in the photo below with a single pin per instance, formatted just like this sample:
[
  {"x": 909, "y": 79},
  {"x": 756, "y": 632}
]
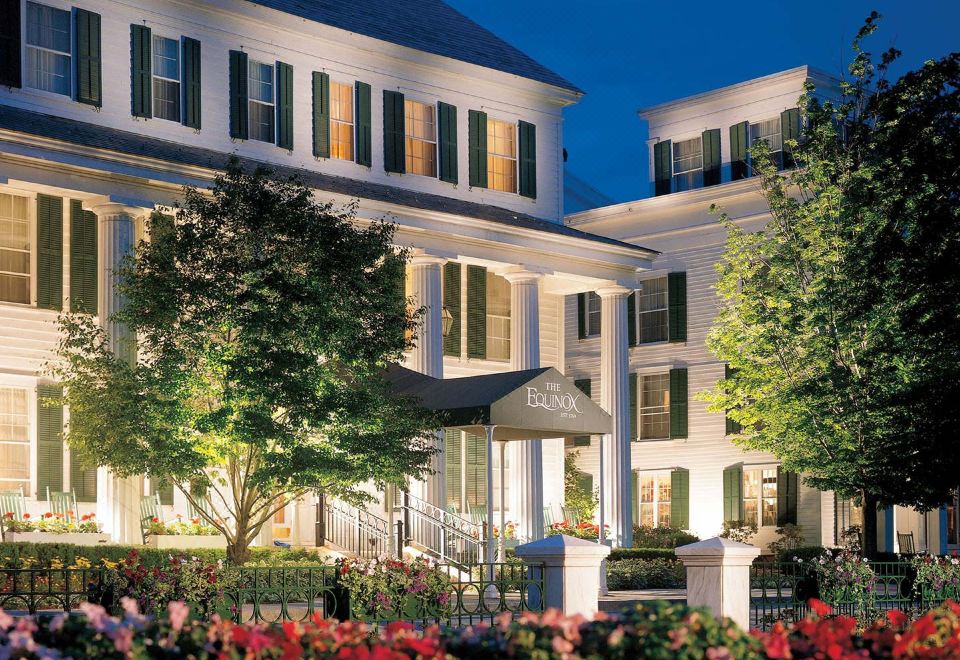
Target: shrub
[
  {"x": 629, "y": 574},
  {"x": 196, "y": 581},
  {"x": 739, "y": 530},
  {"x": 378, "y": 588},
  {"x": 805, "y": 553},
  {"x": 789, "y": 537},
  {"x": 619, "y": 554},
  {"x": 661, "y": 537}
]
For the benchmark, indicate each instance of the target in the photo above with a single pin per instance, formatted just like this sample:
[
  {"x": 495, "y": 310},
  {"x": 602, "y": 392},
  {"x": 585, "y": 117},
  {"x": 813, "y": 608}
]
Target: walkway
[{"x": 617, "y": 600}]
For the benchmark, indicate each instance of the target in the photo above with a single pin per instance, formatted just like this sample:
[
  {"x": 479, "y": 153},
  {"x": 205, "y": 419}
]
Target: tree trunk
[
  {"x": 238, "y": 553},
  {"x": 869, "y": 539}
]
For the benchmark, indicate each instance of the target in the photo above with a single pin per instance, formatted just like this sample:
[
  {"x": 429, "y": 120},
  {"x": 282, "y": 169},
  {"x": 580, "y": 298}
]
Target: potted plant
[
  {"x": 54, "y": 528},
  {"x": 190, "y": 534}
]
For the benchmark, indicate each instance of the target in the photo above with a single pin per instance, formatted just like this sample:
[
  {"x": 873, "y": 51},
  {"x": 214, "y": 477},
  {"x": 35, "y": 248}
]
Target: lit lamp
[{"x": 446, "y": 320}]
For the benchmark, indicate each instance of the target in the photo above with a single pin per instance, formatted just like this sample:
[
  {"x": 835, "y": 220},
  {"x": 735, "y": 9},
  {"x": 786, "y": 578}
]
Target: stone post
[
  {"x": 571, "y": 572},
  {"x": 718, "y": 577}
]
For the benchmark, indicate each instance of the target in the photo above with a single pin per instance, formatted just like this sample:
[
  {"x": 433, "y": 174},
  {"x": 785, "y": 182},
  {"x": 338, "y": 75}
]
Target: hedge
[
  {"x": 11, "y": 554},
  {"x": 618, "y": 554}
]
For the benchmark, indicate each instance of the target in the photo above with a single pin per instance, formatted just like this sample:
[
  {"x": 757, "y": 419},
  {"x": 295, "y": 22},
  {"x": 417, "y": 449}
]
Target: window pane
[
  {"x": 341, "y": 121},
  {"x": 501, "y": 155},
  {"x": 751, "y": 484},
  {"x": 261, "y": 82},
  {"x": 663, "y": 514},
  {"x": 655, "y": 407},
  {"x": 769, "y": 132},
  {"x": 48, "y": 27},
  {"x": 48, "y": 71},
  {"x": 688, "y": 164},
  {"x": 420, "y": 128},
  {"x": 646, "y": 515},
  {"x": 14, "y": 249},
  {"x": 14, "y": 439},
  {"x": 166, "y": 58},
  {"x": 166, "y": 99},
  {"x": 646, "y": 489},
  {"x": 652, "y": 310},
  {"x": 498, "y": 317},
  {"x": 593, "y": 313}
]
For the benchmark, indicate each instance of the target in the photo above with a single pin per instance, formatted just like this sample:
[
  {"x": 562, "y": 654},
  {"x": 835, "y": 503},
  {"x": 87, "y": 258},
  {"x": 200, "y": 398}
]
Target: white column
[
  {"x": 427, "y": 358},
  {"x": 615, "y": 399},
  {"x": 527, "y": 456},
  {"x": 118, "y": 500}
]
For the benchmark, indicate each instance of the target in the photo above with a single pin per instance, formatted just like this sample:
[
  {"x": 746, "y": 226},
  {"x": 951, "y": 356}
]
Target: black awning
[{"x": 523, "y": 405}]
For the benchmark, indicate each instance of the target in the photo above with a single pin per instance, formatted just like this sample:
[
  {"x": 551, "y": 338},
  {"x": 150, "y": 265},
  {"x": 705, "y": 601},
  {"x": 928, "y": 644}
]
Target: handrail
[
  {"x": 448, "y": 537},
  {"x": 354, "y": 529},
  {"x": 446, "y": 517}
]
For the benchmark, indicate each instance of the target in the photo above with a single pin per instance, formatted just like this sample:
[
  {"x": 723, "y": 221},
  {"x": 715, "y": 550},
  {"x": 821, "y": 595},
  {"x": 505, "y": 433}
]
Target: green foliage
[
  {"x": 378, "y": 588},
  {"x": 661, "y": 537},
  {"x": 630, "y": 574},
  {"x": 265, "y": 323},
  {"x": 575, "y": 496},
  {"x": 789, "y": 537},
  {"x": 840, "y": 317},
  {"x": 739, "y": 530},
  {"x": 618, "y": 554}
]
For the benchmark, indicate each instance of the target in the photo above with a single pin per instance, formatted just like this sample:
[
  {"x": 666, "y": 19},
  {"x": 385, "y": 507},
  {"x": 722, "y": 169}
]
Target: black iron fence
[{"x": 352, "y": 529}]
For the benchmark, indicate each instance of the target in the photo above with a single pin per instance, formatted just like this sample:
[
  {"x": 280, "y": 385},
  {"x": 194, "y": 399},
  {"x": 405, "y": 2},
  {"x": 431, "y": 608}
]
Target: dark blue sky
[{"x": 629, "y": 54}]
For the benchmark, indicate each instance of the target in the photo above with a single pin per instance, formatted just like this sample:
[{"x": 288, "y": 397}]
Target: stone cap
[
  {"x": 718, "y": 550},
  {"x": 561, "y": 545}
]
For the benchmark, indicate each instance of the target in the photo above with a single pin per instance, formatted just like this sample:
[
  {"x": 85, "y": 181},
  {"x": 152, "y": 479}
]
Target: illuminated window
[
  {"x": 769, "y": 131},
  {"x": 48, "y": 48},
  {"x": 166, "y": 78},
  {"x": 501, "y": 155},
  {"x": 420, "y": 121},
  {"x": 760, "y": 497},
  {"x": 655, "y": 407},
  {"x": 341, "y": 121},
  {"x": 652, "y": 311},
  {"x": 14, "y": 440},
  {"x": 261, "y": 101},
  {"x": 655, "y": 495},
  {"x": 14, "y": 250},
  {"x": 498, "y": 317},
  {"x": 688, "y": 164}
]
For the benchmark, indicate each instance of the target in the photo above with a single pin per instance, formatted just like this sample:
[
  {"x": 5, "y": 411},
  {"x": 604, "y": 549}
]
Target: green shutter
[
  {"x": 733, "y": 426},
  {"x": 453, "y": 466},
  {"x": 678, "y": 403},
  {"x": 733, "y": 493},
  {"x": 394, "y": 148},
  {"x": 476, "y": 312},
  {"x": 581, "y": 316},
  {"x": 49, "y": 252},
  {"x": 49, "y": 441},
  {"x": 662, "y": 167},
  {"x": 451, "y": 300},
  {"x": 738, "y": 151},
  {"x": 528, "y": 159},
  {"x": 364, "y": 125},
  {"x": 191, "y": 83},
  {"x": 677, "y": 302},
  {"x": 787, "y": 496},
  {"x": 790, "y": 130},
  {"x": 585, "y": 385},
  {"x": 447, "y": 140},
  {"x": 581, "y": 441},
  {"x": 83, "y": 259},
  {"x": 83, "y": 480},
  {"x": 585, "y": 482},
  {"x": 10, "y": 63},
  {"x": 680, "y": 499},
  {"x": 477, "y": 129},
  {"x": 635, "y": 496},
  {"x": 321, "y": 114},
  {"x": 476, "y": 470},
  {"x": 87, "y": 63},
  {"x": 632, "y": 319},
  {"x": 634, "y": 402},
  {"x": 238, "y": 95},
  {"x": 284, "y": 106},
  {"x": 711, "y": 157},
  {"x": 140, "y": 71}
]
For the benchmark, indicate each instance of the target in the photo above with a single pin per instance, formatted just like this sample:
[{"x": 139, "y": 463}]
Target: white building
[
  {"x": 107, "y": 109},
  {"x": 685, "y": 471}
]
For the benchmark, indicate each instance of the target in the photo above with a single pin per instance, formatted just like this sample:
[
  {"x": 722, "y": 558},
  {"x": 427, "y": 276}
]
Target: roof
[
  {"x": 126, "y": 142},
  {"x": 523, "y": 405},
  {"x": 432, "y": 26}
]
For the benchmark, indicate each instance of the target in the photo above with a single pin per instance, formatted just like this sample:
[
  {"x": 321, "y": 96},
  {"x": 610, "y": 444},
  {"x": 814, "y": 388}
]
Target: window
[
  {"x": 14, "y": 250},
  {"x": 760, "y": 496},
  {"x": 846, "y": 514},
  {"x": 652, "y": 311},
  {"x": 655, "y": 407},
  {"x": 688, "y": 164},
  {"x": 14, "y": 439},
  {"x": 498, "y": 317},
  {"x": 48, "y": 48},
  {"x": 655, "y": 496},
  {"x": 166, "y": 78},
  {"x": 341, "y": 121},
  {"x": 592, "y": 313},
  {"x": 501, "y": 155},
  {"x": 261, "y": 103},
  {"x": 769, "y": 132},
  {"x": 420, "y": 128}
]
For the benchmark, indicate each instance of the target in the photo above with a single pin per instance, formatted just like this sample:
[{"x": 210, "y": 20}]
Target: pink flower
[
  {"x": 122, "y": 639},
  {"x": 96, "y": 616},
  {"x": 130, "y": 606},
  {"x": 178, "y": 612},
  {"x": 561, "y": 645},
  {"x": 5, "y": 620}
]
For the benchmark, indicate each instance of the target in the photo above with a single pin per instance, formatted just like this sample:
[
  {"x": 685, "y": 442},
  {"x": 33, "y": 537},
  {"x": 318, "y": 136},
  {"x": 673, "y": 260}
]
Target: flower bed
[
  {"x": 177, "y": 542},
  {"x": 393, "y": 589},
  {"x": 182, "y": 527},
  {"x": 584, "y": 530}
]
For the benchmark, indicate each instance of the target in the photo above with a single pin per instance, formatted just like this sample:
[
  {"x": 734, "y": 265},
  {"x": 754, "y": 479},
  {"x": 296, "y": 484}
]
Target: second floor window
[
  {"x": 498, "y": 317},
  {"x": 501, "y": 155},
  {"x": 420, "y": 128},
  {"x": 341, "y": 121},
  {"x": 760, "y": 496},
  {"x": 48, "y": 48},
  {"x": 652, "y": 311},
  {"x": 261, "y": 100},
  {"x": 688, "y": 164},
  {"x": 655, "y": 407},
  {"x": 14, "y": 440},
  {"x": 14, "y": 250},
  {"x": 769, "y": 131},
  {"x": 592, "y": 313},
  {"x": 166, "y": 78}
]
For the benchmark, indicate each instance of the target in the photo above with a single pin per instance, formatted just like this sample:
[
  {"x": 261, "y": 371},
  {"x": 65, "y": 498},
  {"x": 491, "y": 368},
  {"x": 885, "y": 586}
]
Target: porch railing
[
  {"x": 351, "y": 529},
  {"x": 446, "y": 536}
]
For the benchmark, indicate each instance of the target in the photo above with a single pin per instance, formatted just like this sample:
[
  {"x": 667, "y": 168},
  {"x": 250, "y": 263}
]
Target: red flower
[
  {"x": 26, "y": 516},
  {"x": 897, "y": 618},
  {"x": 154, "y": 520},
  {"x": 8, "y": 514},
  {"x": 821, "y": 608}
]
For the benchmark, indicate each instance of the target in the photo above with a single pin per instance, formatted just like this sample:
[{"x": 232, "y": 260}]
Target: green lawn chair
[
  {"x": 150, "y": 508},
  {"x": 64, "y": 503},
  {"x": 548, "y": 517},
  {"x": 570, "y": 515},
  {"x": 478, "y": 514},
  {"x": 12, "y": 501}
]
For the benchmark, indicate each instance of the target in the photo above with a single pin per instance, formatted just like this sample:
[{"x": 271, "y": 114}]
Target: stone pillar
[
  {"x": 118, "y": 500},
  {"x": 427, "y": 358},
  {"x": 527, "y": 456},
  {"x": 615, "y": 399},
  {"x": 718, "y": 577},
  {"x": 571, "y": 571}
]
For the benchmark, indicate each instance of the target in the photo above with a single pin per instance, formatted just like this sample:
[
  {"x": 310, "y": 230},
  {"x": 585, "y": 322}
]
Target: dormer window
[{"x": 688, "y": 164}]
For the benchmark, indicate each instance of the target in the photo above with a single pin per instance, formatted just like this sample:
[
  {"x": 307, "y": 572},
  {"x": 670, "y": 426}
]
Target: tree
[
  {"x": 840, "y": 319},
  {"x": 576, "y": 495},
  {"x": 265, "y": 321}
]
